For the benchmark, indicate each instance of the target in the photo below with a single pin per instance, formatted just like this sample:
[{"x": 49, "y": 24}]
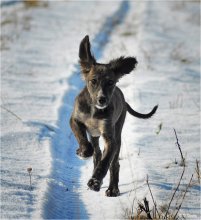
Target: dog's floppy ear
[
  {"x": 123, "y": 65},
  {"x": 86, "y": 58}
]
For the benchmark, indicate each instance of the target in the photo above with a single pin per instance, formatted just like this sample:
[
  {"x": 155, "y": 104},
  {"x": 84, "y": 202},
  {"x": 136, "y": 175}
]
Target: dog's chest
[{"x": 94, "y": 126}]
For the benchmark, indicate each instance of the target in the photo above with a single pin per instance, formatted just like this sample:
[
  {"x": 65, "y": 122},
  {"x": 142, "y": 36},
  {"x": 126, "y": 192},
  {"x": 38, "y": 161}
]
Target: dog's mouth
[
  {"x": 101, "y": 102},
  {"x": 101, "y": 106}
]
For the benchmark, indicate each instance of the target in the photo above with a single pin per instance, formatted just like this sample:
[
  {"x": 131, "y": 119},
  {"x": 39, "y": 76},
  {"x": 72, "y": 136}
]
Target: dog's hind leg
[
  {"x": 103, "y": 165},
  {"x": 113, "y": 189}
]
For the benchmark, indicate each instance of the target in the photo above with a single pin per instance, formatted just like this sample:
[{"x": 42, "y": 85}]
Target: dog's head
[{"x": 101, "y": 79}]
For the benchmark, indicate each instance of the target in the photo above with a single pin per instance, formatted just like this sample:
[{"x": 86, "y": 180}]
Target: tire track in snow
[{"x": 63, "y": 191}]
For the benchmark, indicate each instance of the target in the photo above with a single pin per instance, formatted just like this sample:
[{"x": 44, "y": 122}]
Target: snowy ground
[{"x": 40, "y": 79}]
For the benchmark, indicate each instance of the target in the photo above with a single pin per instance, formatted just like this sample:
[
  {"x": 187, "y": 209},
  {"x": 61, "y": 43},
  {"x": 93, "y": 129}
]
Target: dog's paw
[
  {"x": 94, "y": 184},
  {"x": 85, "y": 152},
  {"x": 114, "y": 192}
]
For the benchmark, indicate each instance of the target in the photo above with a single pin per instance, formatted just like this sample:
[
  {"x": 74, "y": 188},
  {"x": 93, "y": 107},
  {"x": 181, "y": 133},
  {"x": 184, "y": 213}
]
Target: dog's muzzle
[{"x": 101, "y": 103}]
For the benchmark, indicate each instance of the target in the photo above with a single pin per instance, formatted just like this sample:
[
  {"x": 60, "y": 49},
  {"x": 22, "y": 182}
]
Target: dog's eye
[
  {"x": 93, "y": 81},
  {"x": 110, "y": 82}
]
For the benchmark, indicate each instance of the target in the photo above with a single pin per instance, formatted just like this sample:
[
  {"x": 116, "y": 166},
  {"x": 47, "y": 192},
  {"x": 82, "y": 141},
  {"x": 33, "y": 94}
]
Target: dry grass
[
  {"x": 31, "y": 2},
  {"x": 165, "y": 211},
  {"x": 35, "y": 3},
  {"x": 177, "y": 102}
]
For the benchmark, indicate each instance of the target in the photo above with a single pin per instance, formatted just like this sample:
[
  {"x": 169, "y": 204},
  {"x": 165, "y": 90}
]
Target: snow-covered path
[
  {"x": 63, "y": 143},
  {"x": 40, "y": 78},
  {"x": 35, "y": 74}
]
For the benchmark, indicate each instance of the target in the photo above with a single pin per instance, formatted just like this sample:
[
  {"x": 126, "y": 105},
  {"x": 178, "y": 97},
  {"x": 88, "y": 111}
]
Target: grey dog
[{"x": 100, "y": 110}]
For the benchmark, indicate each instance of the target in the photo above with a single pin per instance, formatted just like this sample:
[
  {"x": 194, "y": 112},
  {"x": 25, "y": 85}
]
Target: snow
[{"x": 40, "y": 78}]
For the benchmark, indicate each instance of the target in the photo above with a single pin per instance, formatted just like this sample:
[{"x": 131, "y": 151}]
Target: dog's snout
[{"x": 102, "y": 100}]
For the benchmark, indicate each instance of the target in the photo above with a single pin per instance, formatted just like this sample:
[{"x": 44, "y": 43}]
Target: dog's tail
[{"x": 139, "y": 115}]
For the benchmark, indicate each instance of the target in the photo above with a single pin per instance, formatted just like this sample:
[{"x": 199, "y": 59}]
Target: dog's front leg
[
  {"x": 85, "y": 149},
  {"x": 97, "y": 152},
  {"x": 103, "y": 165}
]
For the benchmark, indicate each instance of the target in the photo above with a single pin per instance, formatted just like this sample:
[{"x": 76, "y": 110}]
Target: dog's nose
[{"x": 102, "y": 100}]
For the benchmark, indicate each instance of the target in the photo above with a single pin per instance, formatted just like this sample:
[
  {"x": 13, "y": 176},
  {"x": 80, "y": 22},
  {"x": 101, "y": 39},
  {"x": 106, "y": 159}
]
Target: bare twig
[
  {"x": 139, "y": 152},
  {"x": 175, "y": 192},
  {"x": 179, "y": 146},
  {"x": 29, "y": 172},
  {"x": 146, "y": 204},
  {"x": 180, "y": 177},
  {"x": 152, "y": 196},
  {"x": 12, "y": 113},
  {"x": 183, "y": 197},
  {"x": 132, "y": 210},
  {"x": 191, "y": 98},
  {"x": 159, "y": 128},
  {"x": 197, "y": 170},
  {"x": 141, "y": 207}
]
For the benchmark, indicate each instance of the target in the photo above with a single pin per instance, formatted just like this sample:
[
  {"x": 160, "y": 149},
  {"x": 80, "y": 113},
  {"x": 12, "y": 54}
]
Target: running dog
[{"x": 100, "y": 110}]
